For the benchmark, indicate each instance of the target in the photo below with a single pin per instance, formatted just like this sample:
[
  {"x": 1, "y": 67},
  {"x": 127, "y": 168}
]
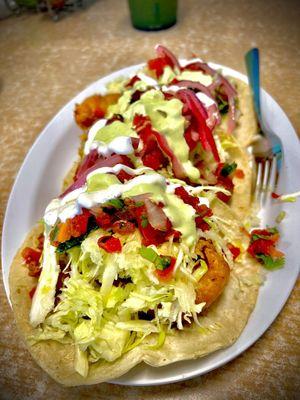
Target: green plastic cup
[{"x": 153, "y": 15}]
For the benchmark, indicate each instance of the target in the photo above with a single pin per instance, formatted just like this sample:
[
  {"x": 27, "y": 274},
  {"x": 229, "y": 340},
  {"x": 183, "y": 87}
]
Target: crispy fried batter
[
  {"x": 214, "y": 281},
  {"x": 93, "y": 108}
]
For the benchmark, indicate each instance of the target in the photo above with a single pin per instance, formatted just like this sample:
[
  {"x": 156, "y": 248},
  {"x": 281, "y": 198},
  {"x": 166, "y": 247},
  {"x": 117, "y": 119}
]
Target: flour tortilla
[{"x": 220, "y": 327}]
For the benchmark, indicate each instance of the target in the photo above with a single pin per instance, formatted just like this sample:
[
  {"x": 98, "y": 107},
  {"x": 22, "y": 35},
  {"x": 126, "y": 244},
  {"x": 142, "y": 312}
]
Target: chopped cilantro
[
  {"x": 144, "y": 221},
  {"x": 228, "y": 169},
  {"x": 160, "y": 262},
  {"x": 116, "y": 203},
  {"x": 271, "y": 231},
  {"x": 271, "y": 263}
]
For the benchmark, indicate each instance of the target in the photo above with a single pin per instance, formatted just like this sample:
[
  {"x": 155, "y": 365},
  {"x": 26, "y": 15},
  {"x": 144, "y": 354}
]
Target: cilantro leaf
[
  {"x": 162, "y": 263},
  {"x": 271, "y": 231},
  {"x": 228, "y": 169},
  {"x": 271, "y": 263},
  {"x": 116, "y": 203},
  {"x": 144, "y": 221}
]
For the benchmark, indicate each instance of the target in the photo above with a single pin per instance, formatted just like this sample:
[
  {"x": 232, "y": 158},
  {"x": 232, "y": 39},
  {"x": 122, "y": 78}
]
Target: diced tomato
[
  {"x": 204, "y": 211},
  {"x": 136, "y": 95},
  {"x": 31, "y": 256},
  {"x": 235, "y": 251},
  {"x": 124, "y": 176},
  {"x": 149, "y": 234},
  {"x": 275, "y": 195},
  {"x": 186, "y": 197},
  {"x": 239, "y": 173},
  {"x": 227, "y": 183},
  {"x": 157, "y": 65},
  {"x": 78, "y": 224},
  {"x": 34, "y": 270},
  {"x": 132, "y": 81},
  {"x": 110, "y": 244},
  {"x": 32, "y": 261},
  {"x": 176, "y": 235},
  {"x": 32, "y": 291},
  {"x": 123, "y": 227},
  {"x": 73, "y": 227},
  {"x": 154, "y": 159},
  {"x": 103, "y": 219},
  {"x": 144, "y": 129},
  {"x": 260, "y": 246},
  {"x": 166, "y": 274},
  {"x": 41, "y": 238},
  {"x": 201, "y": 224},
  {"x": 125, "y": 214},
  {"x": 135, "y": 142},
  {"x": 151, "y": 154},
  {"x": 274, "y": 236}
]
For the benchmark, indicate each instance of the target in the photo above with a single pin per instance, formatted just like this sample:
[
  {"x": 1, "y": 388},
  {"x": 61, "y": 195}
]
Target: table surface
[{"x": 43, "y": 64}]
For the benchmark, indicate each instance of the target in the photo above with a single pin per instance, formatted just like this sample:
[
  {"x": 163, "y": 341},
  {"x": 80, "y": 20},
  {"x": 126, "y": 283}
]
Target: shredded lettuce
[
  {"x": 280, "y": 217},
  {"x": 43, "y": 299},
  {"x": 201, "y": 271},
  {"x": 289, "y": 198}
]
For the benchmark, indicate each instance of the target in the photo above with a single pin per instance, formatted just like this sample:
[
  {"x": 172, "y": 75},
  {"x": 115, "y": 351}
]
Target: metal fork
[{"x": 268, "y": 149}]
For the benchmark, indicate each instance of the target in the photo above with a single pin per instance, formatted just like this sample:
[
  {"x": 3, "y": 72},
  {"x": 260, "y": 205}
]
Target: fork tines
[{"x": 266, "y": 178}]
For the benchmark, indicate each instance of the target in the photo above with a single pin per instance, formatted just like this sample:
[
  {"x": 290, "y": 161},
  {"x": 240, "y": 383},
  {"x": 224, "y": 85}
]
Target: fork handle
[{"x": 252, "y": 64}]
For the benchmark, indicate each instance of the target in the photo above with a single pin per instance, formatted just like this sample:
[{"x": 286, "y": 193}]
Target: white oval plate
[{"x": 51, "y": 156}]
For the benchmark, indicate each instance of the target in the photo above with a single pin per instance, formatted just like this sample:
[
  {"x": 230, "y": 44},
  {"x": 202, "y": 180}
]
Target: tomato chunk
[
  {"x": 110, "y": 244},
  {"x": 31, "y": 256},
  {"x": 157, "y": 65},
  {"x": 73, "y": 227},
  {"x": 235, "y": 251},
  {"x": 32, "y": 291},
  {"x": 123, "y": 227},
  {"x": 167, "y": 273}
]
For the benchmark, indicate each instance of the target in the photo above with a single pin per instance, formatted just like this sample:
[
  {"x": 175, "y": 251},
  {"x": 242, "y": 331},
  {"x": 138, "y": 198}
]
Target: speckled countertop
[{"x": 44, "y": 64}]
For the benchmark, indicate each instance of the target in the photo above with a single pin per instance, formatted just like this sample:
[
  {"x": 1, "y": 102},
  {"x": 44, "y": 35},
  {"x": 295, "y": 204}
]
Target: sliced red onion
[
  {"x": 108, "y": 162},
  {"x": 157, "y": 218},
  {"x": 220, "y": 81},
  {"x": 162, "y": 51},
  {"x": 87, "y": 162},
  {"x": 230, "y": 93},
  {"x": 140, "y": 197},
  {"x": 214, "y": 117},
  {"x": 200, "y": 66},
  {"x": 189, "y": 98},
  {"x": 195, "y": 86}
]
